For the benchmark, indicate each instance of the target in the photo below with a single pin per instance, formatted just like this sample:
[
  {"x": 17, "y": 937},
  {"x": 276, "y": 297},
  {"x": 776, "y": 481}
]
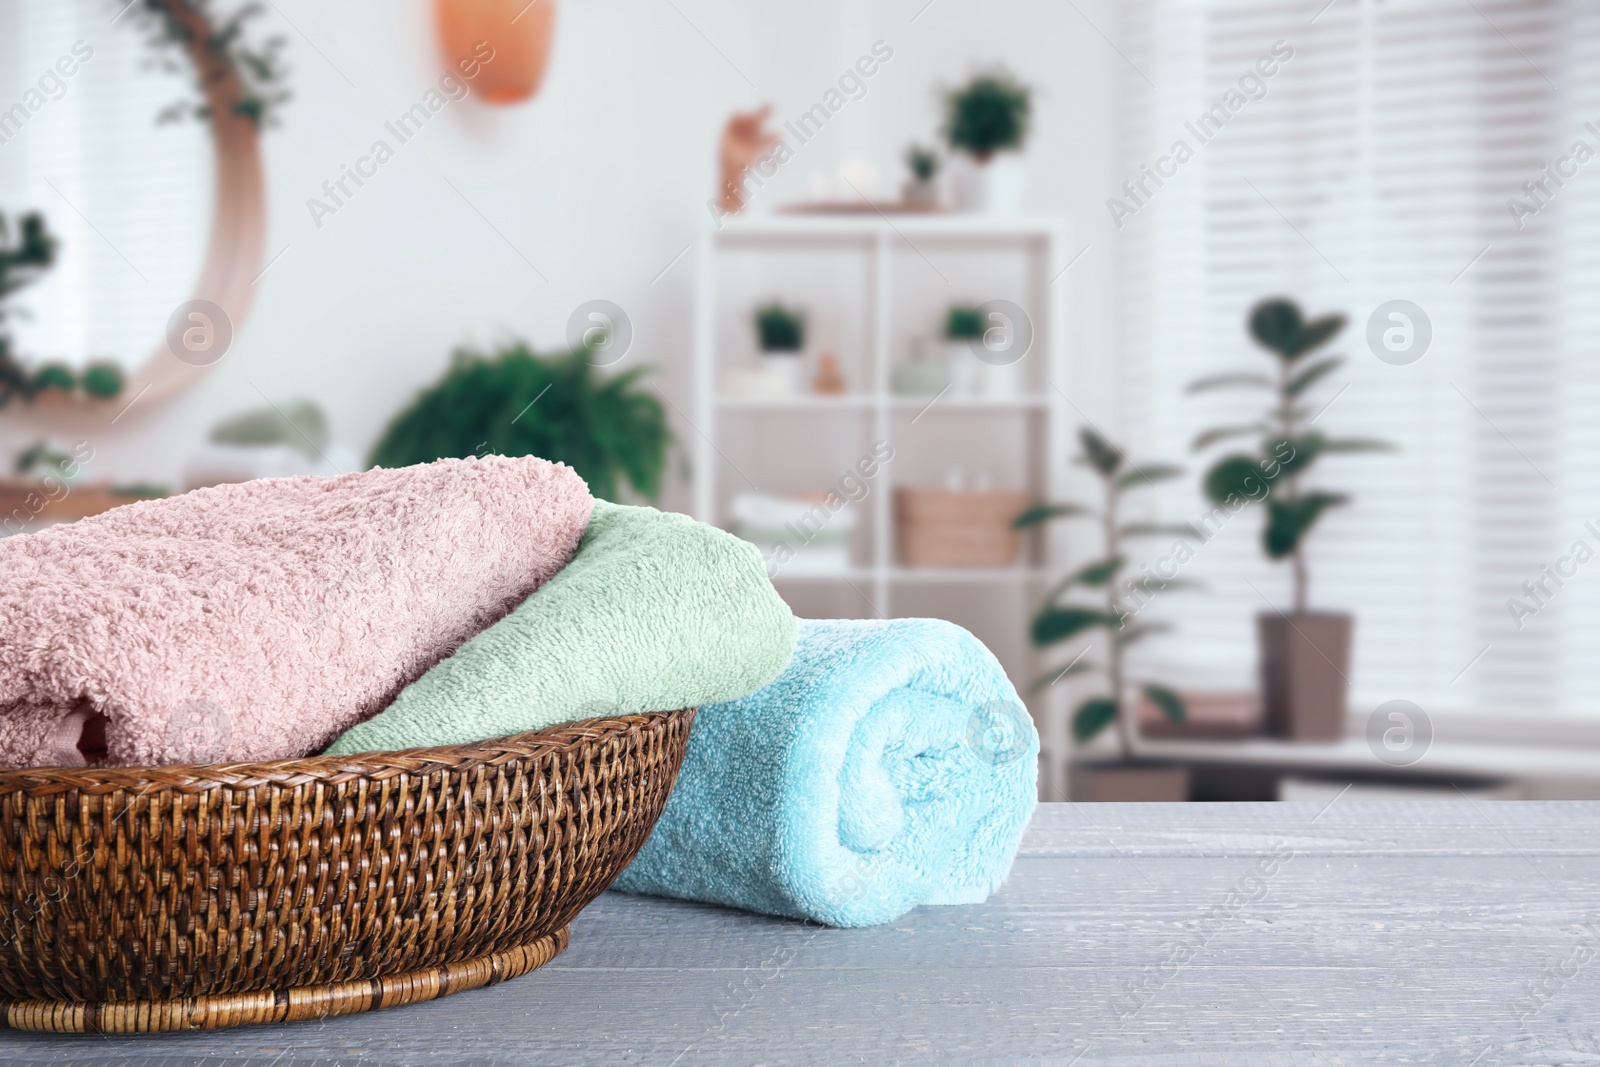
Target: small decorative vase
[{"x": 926, "y": 373}]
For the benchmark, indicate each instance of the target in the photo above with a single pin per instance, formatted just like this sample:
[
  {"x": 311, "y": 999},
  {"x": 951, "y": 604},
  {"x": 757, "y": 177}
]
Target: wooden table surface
[{"x": 1459, "y": 933}]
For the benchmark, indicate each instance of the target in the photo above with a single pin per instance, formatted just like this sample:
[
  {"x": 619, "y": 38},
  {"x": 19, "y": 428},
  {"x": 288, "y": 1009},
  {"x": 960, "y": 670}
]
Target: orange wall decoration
[{"x": 519, "y": 31}]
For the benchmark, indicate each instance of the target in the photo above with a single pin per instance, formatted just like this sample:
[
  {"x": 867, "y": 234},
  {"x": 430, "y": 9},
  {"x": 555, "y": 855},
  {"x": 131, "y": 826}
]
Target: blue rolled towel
[{"x": 891, "y": 765}]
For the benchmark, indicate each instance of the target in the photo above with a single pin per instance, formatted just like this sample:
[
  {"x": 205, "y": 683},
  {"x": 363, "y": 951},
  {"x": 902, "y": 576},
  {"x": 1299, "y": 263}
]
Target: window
[
  {"x": 128, "y": 198},
  {"x": 1397, "y": 151}
]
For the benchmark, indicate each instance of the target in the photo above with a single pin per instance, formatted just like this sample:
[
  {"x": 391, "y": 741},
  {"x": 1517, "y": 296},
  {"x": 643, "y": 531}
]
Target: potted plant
[
  {"x": 921, "y": 190},
  {"x": 987, "y": 117},
  {"x": 1304, "y": 654},
  {"x": 964, "y": 327},
  {"x": 607, "y": 429},
  {"x": 21, "y": 265},
  {"x": 781, "y": 337},
  {"x": 1096, "y": 599}
]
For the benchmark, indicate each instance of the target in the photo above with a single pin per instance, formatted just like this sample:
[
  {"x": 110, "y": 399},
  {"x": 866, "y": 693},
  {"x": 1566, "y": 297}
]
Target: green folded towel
[{"x": 655, "y": 612}]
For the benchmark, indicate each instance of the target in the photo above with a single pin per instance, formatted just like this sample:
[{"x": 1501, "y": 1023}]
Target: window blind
[
  {"x": 1378, "y": 163},
  {"x": 128, "y": 199}
]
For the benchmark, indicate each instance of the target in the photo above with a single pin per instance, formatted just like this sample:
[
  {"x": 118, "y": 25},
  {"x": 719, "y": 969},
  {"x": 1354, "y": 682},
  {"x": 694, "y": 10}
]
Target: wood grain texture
[{"x": 1462, "y": 933}]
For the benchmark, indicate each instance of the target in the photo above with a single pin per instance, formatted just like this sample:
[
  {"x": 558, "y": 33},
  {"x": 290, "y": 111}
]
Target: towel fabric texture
[
  {"x": 655, "y": 612},
  {"x": 891, "y": 765},
  {"x": 260, "y": 620}
]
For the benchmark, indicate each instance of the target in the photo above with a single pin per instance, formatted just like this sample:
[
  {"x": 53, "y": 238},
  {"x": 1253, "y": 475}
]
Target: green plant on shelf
[
  {"x": 1288, "y": 446},
  {"x": 102, "y": 380},
  {"x": 517, "y": 403},
  {"x": 53, "y": 376},
  {"x": 922, "y": 162},
  {"x": 964, "y": 323},
  {"x": 780, "y": 329},
  {"x": 21, "y": 264},
  {"x": 1090, "y": 598},
  {"x": 989, "y": 114}
]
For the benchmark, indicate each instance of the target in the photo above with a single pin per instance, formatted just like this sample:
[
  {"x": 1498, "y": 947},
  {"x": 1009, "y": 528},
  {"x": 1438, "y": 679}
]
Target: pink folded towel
[{"x": 261, "y": 620}]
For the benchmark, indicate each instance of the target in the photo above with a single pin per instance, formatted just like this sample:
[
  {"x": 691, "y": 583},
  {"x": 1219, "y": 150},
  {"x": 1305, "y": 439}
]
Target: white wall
[{"x": 600, "y": 183}]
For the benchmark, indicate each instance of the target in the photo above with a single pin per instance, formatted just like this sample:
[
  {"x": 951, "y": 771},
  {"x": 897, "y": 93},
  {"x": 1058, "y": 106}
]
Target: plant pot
[
  {"x": 1121, "y": 783},
  {"x": 958, "y": 527},
  {"x": 997, "y": 186},
  {"x": 779, "y": 374},
  {"x": 1305, "y": 669},
  {"x": 975, "y": 378},
  {"x": 920, "y": 194}
]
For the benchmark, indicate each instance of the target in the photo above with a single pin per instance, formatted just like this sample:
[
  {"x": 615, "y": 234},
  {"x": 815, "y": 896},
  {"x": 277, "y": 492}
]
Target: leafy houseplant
[
  {"x": 21, "y": 264},
  {"x": 1090, "y": 599},
  {"x": 780, "y": 329},
  {"x": 516, "y": 403},
  {"x": 1304, "y": 655},
  {"x": 987, "y": 116},
  {"x": 923, "y": 162},
  {"x": 963, "y": 324},
  {"x": 102, "y": 380},
  {"x": 920, "y": 190}
]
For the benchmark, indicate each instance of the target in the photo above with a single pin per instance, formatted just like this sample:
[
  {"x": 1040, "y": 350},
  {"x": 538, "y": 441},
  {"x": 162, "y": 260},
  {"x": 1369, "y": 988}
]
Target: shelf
[
  {"x": 863, "y": 402},
  {"x": 997, "y": 575},
  {"x": 970, "y": 227},
  {"x": 804, "y": 402},
  {"x": 971, "y": 403}
]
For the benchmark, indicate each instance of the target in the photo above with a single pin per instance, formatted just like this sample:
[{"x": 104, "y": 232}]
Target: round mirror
[{"x": 151, "y": 194}]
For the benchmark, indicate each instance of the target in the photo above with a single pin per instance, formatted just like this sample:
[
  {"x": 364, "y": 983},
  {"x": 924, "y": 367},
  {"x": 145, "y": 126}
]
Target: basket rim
[{"x": 332, "y": 770}]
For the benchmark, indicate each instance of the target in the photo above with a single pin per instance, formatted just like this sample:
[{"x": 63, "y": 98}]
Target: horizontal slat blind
[
  {"x": 129, "y": 200},
  {"x": 1377, "y": 167}
]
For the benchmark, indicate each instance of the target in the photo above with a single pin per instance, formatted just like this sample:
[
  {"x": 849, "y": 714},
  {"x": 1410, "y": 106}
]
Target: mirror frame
[{"x": 238, "y": 219}]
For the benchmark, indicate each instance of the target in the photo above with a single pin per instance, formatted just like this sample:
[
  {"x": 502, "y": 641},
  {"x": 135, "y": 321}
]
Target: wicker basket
[
  {"x": 186, "y": 898},
  {"x": 958, "y": 527}
]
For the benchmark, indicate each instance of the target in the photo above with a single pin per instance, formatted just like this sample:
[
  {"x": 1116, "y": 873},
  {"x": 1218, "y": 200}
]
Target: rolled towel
[
  {"x": 260, "y": 620},
  {"x": 655, "y": 612},
  {"x": 891, "y": 765}
]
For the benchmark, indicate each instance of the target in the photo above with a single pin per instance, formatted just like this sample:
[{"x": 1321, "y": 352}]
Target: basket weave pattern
[{"x": 181, "y": 897}]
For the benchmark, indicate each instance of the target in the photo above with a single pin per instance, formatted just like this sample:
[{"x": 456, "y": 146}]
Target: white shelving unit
[{"x": 887, "y": 255}]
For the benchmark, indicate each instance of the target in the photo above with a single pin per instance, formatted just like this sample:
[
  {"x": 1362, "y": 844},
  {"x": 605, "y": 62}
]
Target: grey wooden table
[{"x": 1460, "y": 933}]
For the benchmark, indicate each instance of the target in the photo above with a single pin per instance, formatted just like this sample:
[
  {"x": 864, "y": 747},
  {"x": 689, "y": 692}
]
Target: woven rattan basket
[{"x": 186, "y": 898}]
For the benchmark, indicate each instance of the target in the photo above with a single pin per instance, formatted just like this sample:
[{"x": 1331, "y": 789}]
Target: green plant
[
  {"x": 21, "y": 264},
  {"x": 1288, "y": 445},
  {"x": 53, "y": 376},
  {"x": 44, "y": 458},
  {"x": 254, "y": 70},
  {"x": 990, "y": 114},
  {"x": 924, "y": 163},
  {"x": 780, "y": 329},
  {"x": 964, "y": 323},
  {"x": 1061, "y": 618},
  {"x": 300, "y": 424},
  {"x": 516, "y": 403},
  {"x": 102, "y": 380}
]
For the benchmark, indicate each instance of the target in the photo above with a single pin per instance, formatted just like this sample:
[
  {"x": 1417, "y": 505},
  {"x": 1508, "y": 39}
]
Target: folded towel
[
  {"x": 891, "y": 765},
  {"x": 655, "y": 612},
  {"x": 260, "y": 620}
]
